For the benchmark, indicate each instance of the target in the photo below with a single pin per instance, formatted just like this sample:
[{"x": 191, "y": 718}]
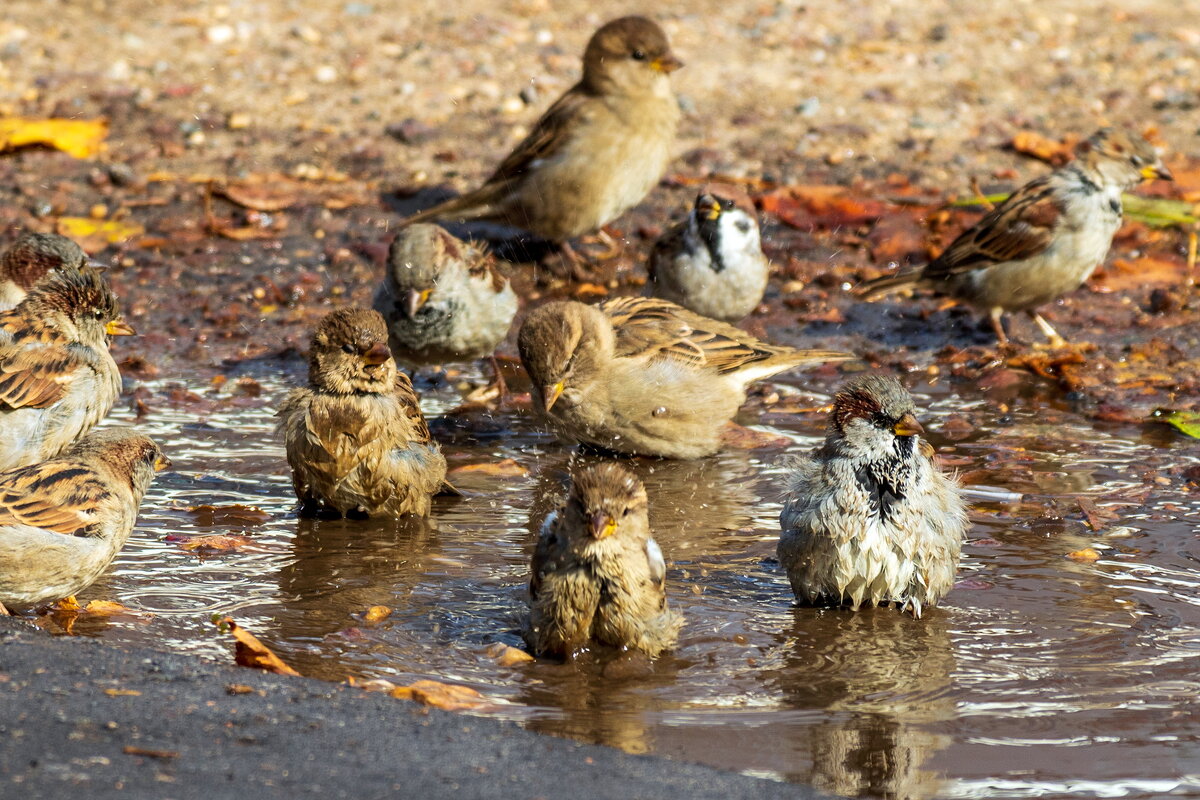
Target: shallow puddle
[{"x": 1040, "y": 675}]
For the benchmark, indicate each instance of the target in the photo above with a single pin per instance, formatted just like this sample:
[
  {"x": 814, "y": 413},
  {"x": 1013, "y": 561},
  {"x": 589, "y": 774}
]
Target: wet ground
[{"x": 1062, "y": 665}]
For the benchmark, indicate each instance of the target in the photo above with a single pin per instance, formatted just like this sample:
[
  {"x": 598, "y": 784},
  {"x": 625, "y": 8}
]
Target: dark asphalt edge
[{"x": 62, "y": 735}]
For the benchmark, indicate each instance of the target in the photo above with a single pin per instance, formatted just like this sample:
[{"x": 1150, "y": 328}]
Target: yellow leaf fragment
[
  {"x": 376, "y": 614},
  {"x": 506, "y": 656},
  {"x": 112, "y": 231},
  {"x": 505, "y": 467},
  {"x": 441, "y": 695},
  {"x": 122, "y": 693},
  {"x": 1087, "y": 555},
  {"x": 78, "y": 138}
]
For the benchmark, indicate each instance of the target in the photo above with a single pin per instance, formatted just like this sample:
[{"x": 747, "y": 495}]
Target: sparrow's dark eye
[
  {"x": 639, "y": 55},
  {"x": 1138, "y": 161},
  {"x": 625, "y": 513},
  {"x": 97, "y": 313},
  {"x": 348, "y": 348},
  {"x": 882, "y": 421}
]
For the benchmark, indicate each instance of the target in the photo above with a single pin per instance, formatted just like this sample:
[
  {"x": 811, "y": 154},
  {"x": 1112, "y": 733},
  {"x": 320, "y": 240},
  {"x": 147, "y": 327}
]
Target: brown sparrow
[
  {"x": 443, "y": 299},
  {"x": 356, "y": 440},
  {"x": 1043, "y": 241},
  {"x": 596, "y": 152},
  {"x": 870, "y": 518},
  {"x": 642, "y": 376},
  {"x": 30, "y": 259},
  {"x": 57, "y": 378},
  {"x": 598, "y": 576},
  {"x": 64, "y": 520},
  {"x": 712, "y": 262}
]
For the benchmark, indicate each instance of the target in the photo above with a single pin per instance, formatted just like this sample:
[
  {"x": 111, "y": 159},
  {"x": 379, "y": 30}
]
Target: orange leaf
[
  {"x": 507, "y": 656},
  {"x": 122, "y": 693},
  {"x": 806, "y": 207},
  {"x": 78, "y": 138},
  {"x": 250, "y": 652},
  {"x": 1087, "y": 555},
  {"x": 111, "y": 231},
  {"x": 505, "y": 467},
  {"x": 209, "y": 545},
  {"x": 1123, "y": 276},
  {"x": 442, "y": 695},
  {"x": 1044, "y": 149},
  {"x": 259, "y": 196},
  {"x": 376, "y": 614}
]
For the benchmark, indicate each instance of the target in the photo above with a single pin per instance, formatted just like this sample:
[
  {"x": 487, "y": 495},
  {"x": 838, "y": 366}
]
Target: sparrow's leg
[
  {"x": 613, "y": 248},
  {"x": 1047, "y": 331},
  {"x": 498, "y": 380},
  {"x": 576, "y": 268},
  {"x": 996, "y": 315}
]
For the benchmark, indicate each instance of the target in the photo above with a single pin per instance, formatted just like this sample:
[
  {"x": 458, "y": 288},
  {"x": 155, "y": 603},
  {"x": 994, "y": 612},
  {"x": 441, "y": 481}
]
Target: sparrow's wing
[
  {"x": 658, "y": 566},
  {"x": 666, "y": 246},
  {"x": 1021, "y": 227},
  {"x": 61, "y": 496},
  {"x": 544, "y": 553},
  {"x": 649, "y": 328},
  {"x": 36, "y": 376},
  {"x": 411, "y": 404},
  {"x": 550, "y": 133}
]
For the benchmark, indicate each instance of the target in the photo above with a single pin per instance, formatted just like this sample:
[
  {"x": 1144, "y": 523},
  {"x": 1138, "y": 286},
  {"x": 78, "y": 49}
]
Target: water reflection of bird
[
  {"x": 879, "y": 682},
  {"x": 338, "y": 570}
]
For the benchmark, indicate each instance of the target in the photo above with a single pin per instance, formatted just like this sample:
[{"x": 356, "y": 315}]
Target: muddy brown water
[{"x": 1040, "y": 676}]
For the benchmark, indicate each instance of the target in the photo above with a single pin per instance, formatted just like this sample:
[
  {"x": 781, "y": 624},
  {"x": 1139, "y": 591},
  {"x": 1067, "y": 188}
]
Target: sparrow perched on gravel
[
  {"x": 712, "y": 262},
  {"x": 356, "y": 440},
  {"x": 443, "y": 299},
  {"x": 1043, "y": 241},
  {"x": 597, "y": 574},
  {"x": 30, "y": 259},
  {"x": 642, "y": 376},
  {"x": 870, "y": 518},
  {"x": 62, "y": 521},
  {"x": 596, "y": 152},
  {"x": 57, "y": 378}
]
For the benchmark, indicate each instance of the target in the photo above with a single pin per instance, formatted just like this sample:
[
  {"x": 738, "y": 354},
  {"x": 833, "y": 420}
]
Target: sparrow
[
  {"x": 597, "y": 575},
  {"x": 596, "y": 152},
  {"x": 355, "y": 437},
  {"x": 712, "y": 262},
  {"x": 57, "y": 377},
  {"x": 870, "y": 518},
  {"x": 31, "y": 258},
  {"x": 443, "y": 299},
  {"x": 62, "y": 521},
  {"x": 642, "y": 376},
  {"x": 1044, "y": 240}
]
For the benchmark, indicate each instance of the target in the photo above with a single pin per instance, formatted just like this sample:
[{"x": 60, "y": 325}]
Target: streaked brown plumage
[
  {"x": 355, "y": 437},
  {"x": 869, "y": 518},
  {"x": 596, "y": 152},
  {"x": 1043, "y": 241},
  {"x": 30, "y": 258},
  {"x": 643, "y": 376},
  {"x": 57, "y": 377},
  {"x": 64, "y": 520},
  {"x": 598, "y": 576}
]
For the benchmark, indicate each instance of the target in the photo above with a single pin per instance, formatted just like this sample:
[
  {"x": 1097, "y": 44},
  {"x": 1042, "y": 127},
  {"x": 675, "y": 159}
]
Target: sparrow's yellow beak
[
  {"x": 414, "y": 300},
  {"x": 552, "y": 393},
  {"x": 161, "y": 463},
  {"x": 907, "y": 426},
  {"x": 602, "y": 525},
  {"x": 1157, "y": 172},
  {"x": 377, "y": 354},
  {"x": 119, "y": 327},
  {"x": 668, "y": 63},
  {"x": 714, "y": 210}
]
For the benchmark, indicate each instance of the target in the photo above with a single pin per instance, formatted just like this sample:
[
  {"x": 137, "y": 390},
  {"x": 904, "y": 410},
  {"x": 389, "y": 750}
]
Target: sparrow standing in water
[
  {"x": 870, "y": 518},
  {"x": 598, "y": 576},
  {"x": 712, "y": 262},
  {"x": 356, "y": 440},
  {"x": 63, "y": 521},
  {"x": 596, "y": 152},
  {"x": 1044, "y": 240},
  {"x": 443, "y": 299},
  {"x": 642, "y": 376},
  {"x": 57, "y": 378},
  {"x": 31, "y": 258}
]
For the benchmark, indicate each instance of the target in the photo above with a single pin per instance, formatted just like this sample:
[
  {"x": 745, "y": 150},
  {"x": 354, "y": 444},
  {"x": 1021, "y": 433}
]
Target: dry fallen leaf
[
  {"x": 507, "y": 656},
  {"x": 1040, "y": 147},
  {"x": 109, "y": 231},
  {"x": 1086, "y": 555},
  {"x": 239, "y": 688},
  {"x": 250, "y": 652},
  {"x": 260, "y": 196},
  {"x": 234, "y": 516},
  {"x": 122, "y": 693},
  {"x": 506, "y": 467},
  {"x": 1141, "y": 273},
  {"x": 78, "y": 138},
  {"x": 130, "y": 750},
  {"x": 806, "y": 207},
  {"x": 442, "y": 695}
]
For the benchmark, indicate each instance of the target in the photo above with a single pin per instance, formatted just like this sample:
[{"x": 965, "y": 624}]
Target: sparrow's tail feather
[
  {"x": 787, "y": 359},
  {"x": 881, "y": 287},
  {"x": 471, "y": 205}
]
